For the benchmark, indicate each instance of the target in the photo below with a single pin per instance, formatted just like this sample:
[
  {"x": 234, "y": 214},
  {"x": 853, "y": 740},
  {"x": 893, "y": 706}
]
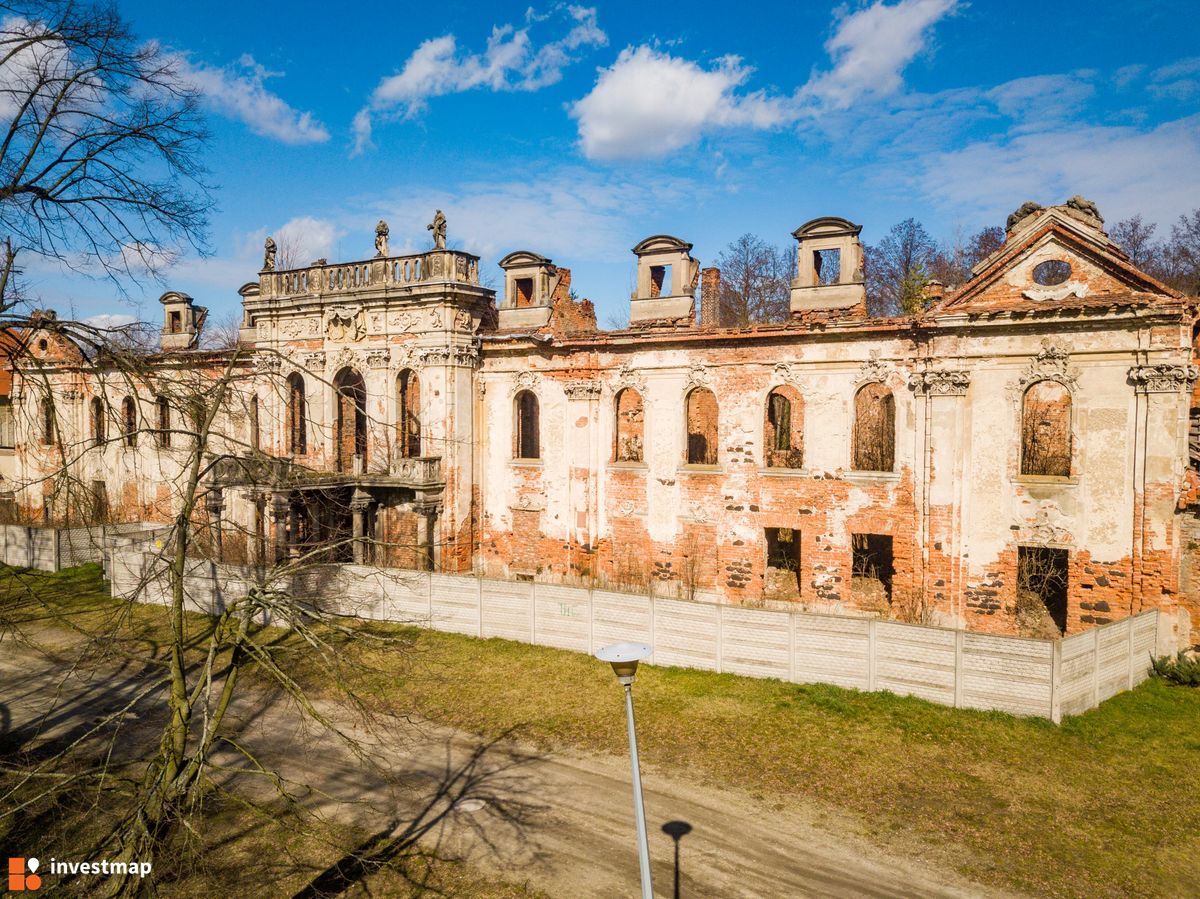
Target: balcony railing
[
  {"x": 350, "y": 277},
  {"x": 269, "y": 472}
]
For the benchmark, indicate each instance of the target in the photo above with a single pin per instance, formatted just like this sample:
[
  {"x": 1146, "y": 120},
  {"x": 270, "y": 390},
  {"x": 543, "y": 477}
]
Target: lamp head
[{"x": 624, "y": 658}]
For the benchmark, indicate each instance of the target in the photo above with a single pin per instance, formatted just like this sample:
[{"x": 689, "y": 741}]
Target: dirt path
[{"x": 563, "y": 822}]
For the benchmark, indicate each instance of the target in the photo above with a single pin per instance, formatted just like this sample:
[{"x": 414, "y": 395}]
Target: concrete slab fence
[{"x": 1022, "y": 676}]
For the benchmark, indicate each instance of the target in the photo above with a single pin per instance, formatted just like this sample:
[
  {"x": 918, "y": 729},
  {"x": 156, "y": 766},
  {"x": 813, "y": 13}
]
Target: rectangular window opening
[
  {"x": 660, "y": 280},
  {"x": 523, "y": 288},
  {"x": 827, "y": 266},
  {"x": 872, "y": 567},
  {"x": 1042, "y": 578},
  {"x": 176, "y": 321},
  {"x": 781, "y": 580}
]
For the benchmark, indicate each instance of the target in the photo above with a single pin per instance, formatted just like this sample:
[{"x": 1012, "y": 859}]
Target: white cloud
[
  {"x": 870, "y": 49},
  {"x": 107, "y": 321},
  {"x": 575, "y": 214},
  {"x": 649, "y": 104},
  {"x": 511, "y": 62},
  {"x": 240, "y": 93},
  {"x": 1124, "y": 169}
]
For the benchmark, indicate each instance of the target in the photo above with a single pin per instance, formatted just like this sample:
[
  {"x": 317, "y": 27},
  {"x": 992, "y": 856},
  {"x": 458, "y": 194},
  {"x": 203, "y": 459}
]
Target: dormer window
[{"x": 523, "y": 288}]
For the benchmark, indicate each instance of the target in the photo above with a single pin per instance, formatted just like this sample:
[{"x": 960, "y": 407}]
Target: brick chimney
[
  {"x": 710, "y": 298},
  {"x": 934, "y": 290}
]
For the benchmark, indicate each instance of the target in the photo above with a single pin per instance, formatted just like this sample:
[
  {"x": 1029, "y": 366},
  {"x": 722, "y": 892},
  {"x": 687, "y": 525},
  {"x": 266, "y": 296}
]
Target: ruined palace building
[{"x": 1031, "y": 437}]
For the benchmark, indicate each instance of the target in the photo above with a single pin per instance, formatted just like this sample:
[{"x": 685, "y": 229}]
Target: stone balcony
[
  {"x": 342, "y": 278},
  {"x": 259, "y": 471}
]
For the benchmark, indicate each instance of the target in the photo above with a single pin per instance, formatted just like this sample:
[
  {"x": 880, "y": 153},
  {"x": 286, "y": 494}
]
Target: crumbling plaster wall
[{"x": 956, "y": 504}]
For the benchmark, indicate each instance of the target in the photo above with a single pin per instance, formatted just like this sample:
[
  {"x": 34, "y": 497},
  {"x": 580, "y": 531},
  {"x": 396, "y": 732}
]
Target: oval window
[{"x": 1051, "y": 272}]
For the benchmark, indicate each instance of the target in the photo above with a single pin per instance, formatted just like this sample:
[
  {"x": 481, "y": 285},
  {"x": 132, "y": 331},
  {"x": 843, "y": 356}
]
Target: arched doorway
[{"x": 351, "y": 396}]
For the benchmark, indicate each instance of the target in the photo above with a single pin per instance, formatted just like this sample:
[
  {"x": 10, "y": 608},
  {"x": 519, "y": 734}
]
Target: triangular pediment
[{"x": 1055, "y": 261}]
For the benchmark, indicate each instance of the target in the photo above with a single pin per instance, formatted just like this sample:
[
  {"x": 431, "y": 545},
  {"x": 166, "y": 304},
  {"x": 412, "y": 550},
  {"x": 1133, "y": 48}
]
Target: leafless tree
[
  {"x": 222, "y": 334},
  {"x": 756, "y": 279},
  {"x": 99, "y": 164},
  {"x": 895, "y": 267}
]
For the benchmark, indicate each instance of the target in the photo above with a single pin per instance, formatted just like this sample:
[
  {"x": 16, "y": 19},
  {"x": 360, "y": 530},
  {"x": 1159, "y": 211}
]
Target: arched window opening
[
  {"x": 527, "y": 442},
  {"x": 1046, "y": 430},
  {"x": 255, "y": 429},
  {"x": 48, "y": 422},
  {"x": 783, "y": 431},
  {"x": 701, "y": 427},
  {"x": 96, "y": 415},
  {"x": 631, "y": 426},
  {"x": 297, "y": 415},
  {"x": 874, "y": 429},
  {"x": 408, "y": 415},
  {"x": 129, "y": 425},
  {"x": 351, "y": 393},
  {"x": 164, "y": 422}
]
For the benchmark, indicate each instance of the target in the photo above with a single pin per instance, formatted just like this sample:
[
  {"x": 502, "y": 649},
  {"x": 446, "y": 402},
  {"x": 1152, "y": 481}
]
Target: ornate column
[
  {"x": 279, "y": 513},
  {"x": 214, "y": 503},
  {"x": 1163, "y": 391},
  {"x": 360, "y": 501},
  {"x": 944, "y": 453}
]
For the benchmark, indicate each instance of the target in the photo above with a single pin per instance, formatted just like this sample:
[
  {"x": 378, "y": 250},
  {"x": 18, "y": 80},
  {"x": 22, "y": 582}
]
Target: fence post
[
  {"x": 479, "y": 605},
  {"x": 652, "y": 647},
  {"x": 791, "y": 626},
  {"x": 29, "y": 545},
  {"x": 1129, "y": 652},
  {"x": 1056, "y": 681},
  {"x": 720, "y": 637},
  {"x": 871, "y": 654},
  {"x": 591, "y": 620},
  {"x": 429, "y": 592},
  {"x": 57, "y": 532},
  {"x": 533, "y": 613},
  {"x": 959, "y": 638},
  {"x": 1095, "y": 668}
]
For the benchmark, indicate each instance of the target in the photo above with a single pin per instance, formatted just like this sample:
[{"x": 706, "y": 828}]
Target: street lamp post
[{"x": 624, "y": 658}]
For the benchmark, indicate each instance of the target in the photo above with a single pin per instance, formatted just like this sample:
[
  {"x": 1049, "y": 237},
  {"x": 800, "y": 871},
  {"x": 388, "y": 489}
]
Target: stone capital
[
  {"x": 1165, "y": 377},
  {"x": 941, "y": 382}
]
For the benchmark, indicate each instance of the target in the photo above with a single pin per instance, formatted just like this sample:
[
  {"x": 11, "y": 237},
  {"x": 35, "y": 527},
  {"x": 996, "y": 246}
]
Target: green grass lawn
[{"x": 1103, "y": 805}]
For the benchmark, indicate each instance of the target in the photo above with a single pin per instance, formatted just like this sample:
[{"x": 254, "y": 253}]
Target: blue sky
[{"x": 576, "y": 131}]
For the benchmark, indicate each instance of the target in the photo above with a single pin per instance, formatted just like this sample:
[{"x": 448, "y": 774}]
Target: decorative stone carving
[
  {"x": 629, "y": 377},
  {"x": 1058, "y": 292},
  {"x": 463, "y": 320},
  {"x": 346, "y": 324},
  {"x": 435, "y": 355},
  {"x": 435, "y": 319},
  {"x": 401, "y": 321},
  {"x": 379, "y": 358},
  {"x": 582, "y": 390},
  {"x": 784, "y": 373},
  {"x": 528, "y": 502},
  {"x": 267, "y": 363},
  {"x": 436, "y": 263},
  {"x": 1165, "y": 377},
  {"x": 1043, "y": 531},
  {"x": 314, "y": 361},
  {"x": 1021, "y": 213},
  {"x": 941, "y": 382},
  {"x": 460, "y": 268},
  {"x": 438, "y": 227},
  {"x": 698, "y": 376},
  {"x": 343, "y": 358},
  {"x": 874, "y": 370},
  {"x": 1052, "y": 363},
  {"x": 381, "y": 238},
  {"x": 698, "y": 511},
  {"x": 626, "y": 507},
  {"x": 525, "y": 380},
  {"x": 466, "y": 356},
  {"x": 298, "y": 327},
  {"x": 269, "y": 251},
  {"x": 1086, "y": 207}
]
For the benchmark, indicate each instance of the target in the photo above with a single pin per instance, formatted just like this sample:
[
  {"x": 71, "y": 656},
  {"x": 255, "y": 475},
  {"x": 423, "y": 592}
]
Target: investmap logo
[{"x": 22, "y": 875}]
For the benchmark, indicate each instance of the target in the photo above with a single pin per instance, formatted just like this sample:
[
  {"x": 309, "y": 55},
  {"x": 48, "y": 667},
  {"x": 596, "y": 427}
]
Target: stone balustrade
[{"x": 388, "y": 271}]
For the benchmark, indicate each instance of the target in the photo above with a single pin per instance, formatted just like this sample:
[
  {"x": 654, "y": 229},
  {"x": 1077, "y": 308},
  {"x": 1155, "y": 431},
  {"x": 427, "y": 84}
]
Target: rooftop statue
[
  {"x": 438, "y": 227},
  {"x": 269, "y": 255},
  {"x": 381, "y": 238}
]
